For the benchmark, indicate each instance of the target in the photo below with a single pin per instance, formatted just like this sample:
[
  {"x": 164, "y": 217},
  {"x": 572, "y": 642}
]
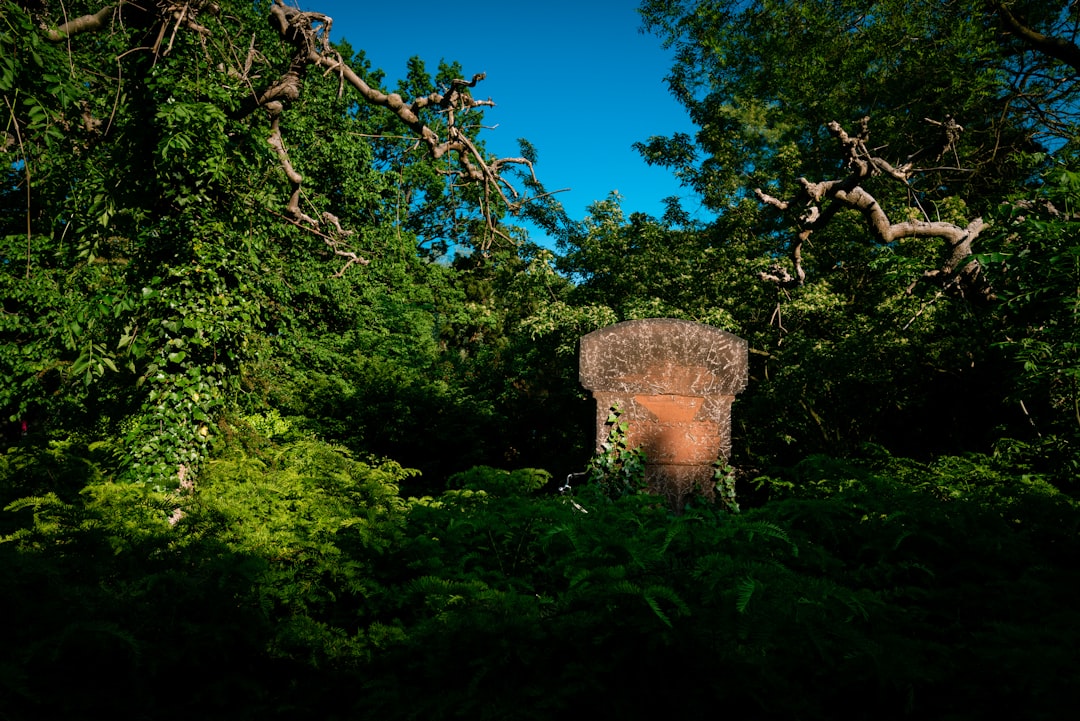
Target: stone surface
[{"x": 674, "y": 382}]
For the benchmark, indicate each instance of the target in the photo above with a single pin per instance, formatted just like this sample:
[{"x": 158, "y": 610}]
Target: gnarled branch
[
  {"x": 1057, "y": 48},
  {"x": 816, "y": 203},
  {"x": 309, "y": 35},
  {"x": 85, "y": 23}
]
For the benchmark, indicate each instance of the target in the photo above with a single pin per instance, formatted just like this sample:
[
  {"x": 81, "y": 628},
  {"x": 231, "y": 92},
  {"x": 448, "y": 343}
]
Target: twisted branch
[
  {"x": 308, "y": 33},
  {"x": 1054, "y": 47},
  {"x": 815, "y": 205},
  {"x": 86, "y": 23}
]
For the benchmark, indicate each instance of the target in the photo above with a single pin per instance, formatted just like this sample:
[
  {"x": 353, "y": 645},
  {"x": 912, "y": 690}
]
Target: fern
[
  {"x": 768, "y": 530},
  {"x": 48, "y": 501},
  {"x": 653, "y": 594},
  {"x": 745, "y": 590},
  {"x": 567, "y": 530}
]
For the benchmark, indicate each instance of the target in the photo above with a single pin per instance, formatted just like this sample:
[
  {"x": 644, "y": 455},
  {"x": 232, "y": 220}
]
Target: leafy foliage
[
  {"x": 239, "y": 483},
  {"x": 1036, "y": 261},
  {"x": 618, "y": 468},
  {"x": 879, "y": 586}
]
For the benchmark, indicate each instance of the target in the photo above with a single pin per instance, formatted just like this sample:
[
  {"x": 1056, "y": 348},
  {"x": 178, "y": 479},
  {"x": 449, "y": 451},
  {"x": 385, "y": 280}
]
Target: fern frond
[
  {"x": 430, "y": 586},
  {"x": 49, "y": 500},
  {"x": 744, "y": 590},
  {"x": 668, "y": 538},
  {"x": 651, "y": 600},
  {"x": 653, "y": 594},
  {"x": 769, "y": 530},
  {"x": 16, "y": 536},
  {"x": 99, "y": 633},
  {"x": 625, "y": 587}
]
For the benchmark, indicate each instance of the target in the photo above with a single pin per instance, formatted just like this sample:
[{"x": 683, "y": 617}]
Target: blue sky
[{"x": 575, "y": 78}]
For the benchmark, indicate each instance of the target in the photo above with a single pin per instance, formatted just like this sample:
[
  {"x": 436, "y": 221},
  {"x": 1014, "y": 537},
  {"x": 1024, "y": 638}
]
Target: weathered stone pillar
[{"x": 674, "y": 382}]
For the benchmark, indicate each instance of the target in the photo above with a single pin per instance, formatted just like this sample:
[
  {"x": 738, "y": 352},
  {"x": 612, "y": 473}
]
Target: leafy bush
[{"x": 298, "y": 581}]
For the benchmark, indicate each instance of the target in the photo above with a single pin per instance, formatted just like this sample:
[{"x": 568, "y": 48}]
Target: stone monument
[{"x": 674, "y": 382}]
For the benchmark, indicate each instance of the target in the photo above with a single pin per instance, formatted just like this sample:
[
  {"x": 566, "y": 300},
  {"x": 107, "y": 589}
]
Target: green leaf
[{"x": 745, "y": 591}]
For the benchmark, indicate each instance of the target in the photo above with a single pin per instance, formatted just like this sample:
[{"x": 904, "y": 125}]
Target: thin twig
[
  {"x": 71, "y": 61},
  {"x": 382, "y": 137},
  {"x": 923, "y": 309},
  {"x": 1030, "y": 419},
  {"x": 26, "y": 166}
]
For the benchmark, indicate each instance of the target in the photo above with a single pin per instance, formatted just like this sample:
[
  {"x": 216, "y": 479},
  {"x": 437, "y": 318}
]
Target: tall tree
[
  {"x": 763, "y": 80},
  {"x": 867, "y": 148},
  {"x": 192, "y": 188}
]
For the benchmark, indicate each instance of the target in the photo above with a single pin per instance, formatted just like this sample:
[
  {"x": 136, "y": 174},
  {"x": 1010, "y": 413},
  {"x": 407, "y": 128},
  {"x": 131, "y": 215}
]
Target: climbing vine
[{"x": 617, "y": 468}]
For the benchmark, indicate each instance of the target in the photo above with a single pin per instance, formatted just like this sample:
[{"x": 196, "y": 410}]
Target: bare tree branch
[
  {"x": 1057, "y": 48},
  {"x": 86, "y": 23},
  {"x": 182, "y": 13},
  {"x": 308, "y": 33},
  {"x": 816, "y": 204}
]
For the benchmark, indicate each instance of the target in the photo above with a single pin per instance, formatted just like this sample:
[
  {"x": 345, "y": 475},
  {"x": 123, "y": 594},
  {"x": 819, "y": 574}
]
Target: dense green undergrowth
[{"x": 294, "y": 581}]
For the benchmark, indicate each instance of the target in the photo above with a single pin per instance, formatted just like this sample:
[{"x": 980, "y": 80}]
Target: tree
[
  {"x": 772, "y": 84},
  {"x": 763, "y": 80},
  {"x": 969, "y": 103},
  {"x": 189, "y": 203}
]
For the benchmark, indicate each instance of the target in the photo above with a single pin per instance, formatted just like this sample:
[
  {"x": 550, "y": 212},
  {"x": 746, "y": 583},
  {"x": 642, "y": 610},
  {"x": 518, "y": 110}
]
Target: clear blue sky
[{"x": 575, "y": 78}]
